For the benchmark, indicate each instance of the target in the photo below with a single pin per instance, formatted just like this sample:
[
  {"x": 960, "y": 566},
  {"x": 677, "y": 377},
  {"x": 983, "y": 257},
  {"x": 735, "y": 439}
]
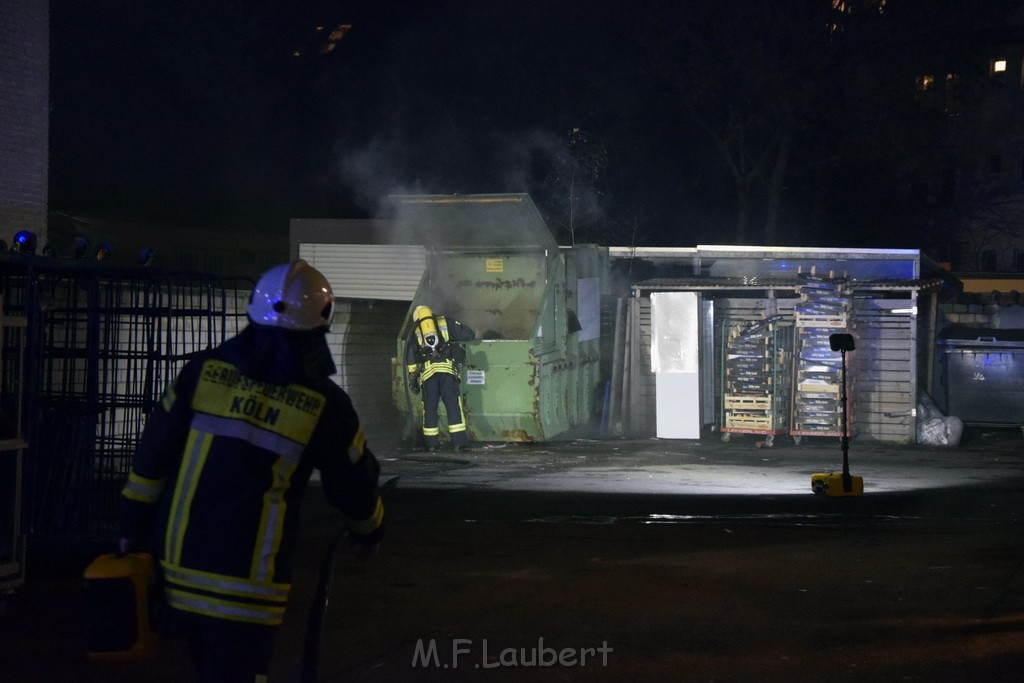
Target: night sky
[{"x": 202, "y": 113}]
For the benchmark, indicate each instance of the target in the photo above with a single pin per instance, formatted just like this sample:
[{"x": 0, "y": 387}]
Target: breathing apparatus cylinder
[
  {"x": 117, "y": 591},
  {"x": 426, "y": 326}
]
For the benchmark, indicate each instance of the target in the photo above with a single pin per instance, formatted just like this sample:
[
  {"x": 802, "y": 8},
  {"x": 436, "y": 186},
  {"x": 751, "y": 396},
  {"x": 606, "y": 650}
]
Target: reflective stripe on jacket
[{"x": 219, "y": 477}]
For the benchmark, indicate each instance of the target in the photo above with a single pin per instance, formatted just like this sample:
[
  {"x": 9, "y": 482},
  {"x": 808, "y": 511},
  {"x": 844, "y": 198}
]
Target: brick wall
[
  {"x": 24, "y": 116},
  {"x": 982, "y": 316}
]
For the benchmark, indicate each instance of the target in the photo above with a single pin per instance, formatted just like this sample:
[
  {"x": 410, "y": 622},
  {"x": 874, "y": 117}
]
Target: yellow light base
[
  {"x": 117, "y": 588},
  {"x": 831, "y": 484}
]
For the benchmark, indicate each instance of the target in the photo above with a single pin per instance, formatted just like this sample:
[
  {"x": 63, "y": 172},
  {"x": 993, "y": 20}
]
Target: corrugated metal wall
[
  {"x": 374, "y": 285},
  {"x": 887, "y": 369},
  {"x": 641, "y": 394},
  {"x": 362, "y": 341}
]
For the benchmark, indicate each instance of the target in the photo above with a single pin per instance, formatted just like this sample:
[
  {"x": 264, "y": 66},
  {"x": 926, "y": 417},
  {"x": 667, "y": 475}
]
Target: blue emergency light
[{"x": 25, "y": 242}]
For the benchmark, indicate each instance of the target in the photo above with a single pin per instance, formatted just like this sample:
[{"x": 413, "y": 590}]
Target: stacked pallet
[
  {"x": 825, "y": 308},
  {"x": 756, "y": 376}
]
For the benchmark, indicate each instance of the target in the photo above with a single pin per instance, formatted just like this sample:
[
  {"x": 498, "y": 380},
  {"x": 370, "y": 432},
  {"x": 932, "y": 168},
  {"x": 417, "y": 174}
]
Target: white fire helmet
[{"x": 293, "y": 296}]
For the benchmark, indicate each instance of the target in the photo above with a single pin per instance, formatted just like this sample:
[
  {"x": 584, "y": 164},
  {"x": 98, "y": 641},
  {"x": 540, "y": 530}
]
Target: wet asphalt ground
[{"x": 644, "y": 559}]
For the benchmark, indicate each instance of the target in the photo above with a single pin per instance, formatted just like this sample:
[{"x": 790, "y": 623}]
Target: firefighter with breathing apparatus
[
  {"x": 433, "y": 358},
  {"x": 217, "y": 482}
]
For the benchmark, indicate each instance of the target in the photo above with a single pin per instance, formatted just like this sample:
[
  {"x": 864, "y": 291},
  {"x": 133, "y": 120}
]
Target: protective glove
[{"x": 414, "y": 385}]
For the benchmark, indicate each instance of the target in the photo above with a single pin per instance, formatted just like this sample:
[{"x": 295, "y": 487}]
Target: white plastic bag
[{"x": 940, "y": 431}]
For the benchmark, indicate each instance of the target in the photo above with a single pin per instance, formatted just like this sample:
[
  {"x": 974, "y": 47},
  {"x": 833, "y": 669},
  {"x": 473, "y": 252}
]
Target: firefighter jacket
[
  {"x": 423, "y": 362},
  {"x": 218, "y": 478}
]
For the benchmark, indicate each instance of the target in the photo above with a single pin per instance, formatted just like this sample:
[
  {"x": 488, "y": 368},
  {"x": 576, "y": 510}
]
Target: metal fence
[{"x": 102, "y": 344}]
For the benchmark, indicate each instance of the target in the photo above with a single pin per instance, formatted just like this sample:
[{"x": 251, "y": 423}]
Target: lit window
[
  {"x": 998, "y": 66},
  {"x": 925, "y": 83}
]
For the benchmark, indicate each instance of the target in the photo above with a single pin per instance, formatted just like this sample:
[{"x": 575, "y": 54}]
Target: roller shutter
[{"x": 368, "y": 271}]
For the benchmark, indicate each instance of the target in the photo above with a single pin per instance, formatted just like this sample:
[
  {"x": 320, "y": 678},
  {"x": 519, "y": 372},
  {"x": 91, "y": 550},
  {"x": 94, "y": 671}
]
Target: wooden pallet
[
  {"x": 837, "y": 321},
  {"x": 734, "y": 402},
  {"x": 749, "y": 422}
]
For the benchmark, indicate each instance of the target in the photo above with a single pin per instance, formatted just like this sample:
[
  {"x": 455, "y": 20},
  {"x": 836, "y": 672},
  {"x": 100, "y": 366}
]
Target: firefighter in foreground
[
  {"x": 217, "y": 482},
  {"x": 433, "y": 357}
]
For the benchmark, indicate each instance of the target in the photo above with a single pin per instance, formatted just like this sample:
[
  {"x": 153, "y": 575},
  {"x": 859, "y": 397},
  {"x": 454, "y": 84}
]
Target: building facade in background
[
  {"x": 975, "y": 185},
  {"x": 24, "y": 117}
]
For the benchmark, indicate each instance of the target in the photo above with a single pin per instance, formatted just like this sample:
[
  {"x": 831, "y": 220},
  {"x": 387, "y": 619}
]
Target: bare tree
[
  {"x": 573, "y": 189},
  {"x": 753, "y": 77}
]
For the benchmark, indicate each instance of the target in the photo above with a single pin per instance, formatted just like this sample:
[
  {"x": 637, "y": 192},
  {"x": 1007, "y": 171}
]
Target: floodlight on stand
[
  {"x": 843, "y": 485},
  {"x": 25, "y": 242}
]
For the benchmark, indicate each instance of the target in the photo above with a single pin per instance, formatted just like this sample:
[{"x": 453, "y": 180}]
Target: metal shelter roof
[
  {"x": 777, "y": 270},
  {"x": 691, "y": 284}
]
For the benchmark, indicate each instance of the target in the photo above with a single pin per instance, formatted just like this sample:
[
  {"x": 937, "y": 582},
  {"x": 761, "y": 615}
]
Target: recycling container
[
  {"x": 532, "y": 372},
  {"x": 981, "y": 375}
]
